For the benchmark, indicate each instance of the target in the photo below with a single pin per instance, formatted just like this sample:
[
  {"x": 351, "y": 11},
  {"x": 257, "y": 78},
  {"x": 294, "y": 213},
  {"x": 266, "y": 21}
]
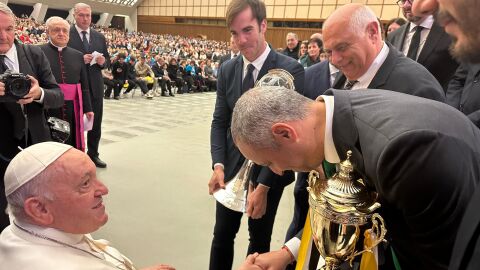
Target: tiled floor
[{"x": 158, "y": 157}]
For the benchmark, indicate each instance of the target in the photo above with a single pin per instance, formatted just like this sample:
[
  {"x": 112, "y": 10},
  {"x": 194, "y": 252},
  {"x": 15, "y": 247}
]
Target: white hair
[
  {"x": 80, "y": 6},
  {"x": 293, "y": 35},
  {"x": 259, "y": 108},
  {"x": 55, "y": 19},
  {"x": 360, "y": 18},
  {"x": 5, "y": 9}
]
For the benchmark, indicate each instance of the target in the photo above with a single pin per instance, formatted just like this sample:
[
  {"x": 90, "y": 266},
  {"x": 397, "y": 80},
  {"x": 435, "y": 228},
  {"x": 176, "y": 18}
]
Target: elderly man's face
[
  {"x": 59, "y": 33},
  {"x": 83, "y": 17},
  {"x": 77, "y": 206},
  {"x": 7, "y": 32},
  {"x": 460, "y": 19},
  {"x": 352, "y": 53},
  {"x": 291, "y": 42},
  {"x": 248, "y": 34}
]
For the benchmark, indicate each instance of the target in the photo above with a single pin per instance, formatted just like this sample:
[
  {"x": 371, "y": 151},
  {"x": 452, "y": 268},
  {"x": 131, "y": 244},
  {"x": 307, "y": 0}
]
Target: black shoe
[
  {"x": 106, "y": 97},
  {"x": 98, "y": 162},
  {"x": 172, "y": 95},
  {"x": 117, "y": 97}
]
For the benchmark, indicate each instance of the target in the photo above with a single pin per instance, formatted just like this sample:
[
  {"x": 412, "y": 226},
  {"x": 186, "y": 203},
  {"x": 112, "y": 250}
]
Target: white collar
[
  {"x": 79, "y": 30},
  {"x": 58, "y": 47},
  {"x": 365, "y": 80},
  {"x": 257, "y": 63},
  {"x": 68, "y": 238},
  {"x": 12, "y": 53},
  {"x": 333, "y": 69},
  {"x": 329, "y": 149},
  {"x": 426, "y": 23}
]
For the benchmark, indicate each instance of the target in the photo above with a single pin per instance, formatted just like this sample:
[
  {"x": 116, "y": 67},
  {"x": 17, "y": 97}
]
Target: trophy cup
[
  {"x": 234, "y": 196},
  {"x": 341, "y": 209}
]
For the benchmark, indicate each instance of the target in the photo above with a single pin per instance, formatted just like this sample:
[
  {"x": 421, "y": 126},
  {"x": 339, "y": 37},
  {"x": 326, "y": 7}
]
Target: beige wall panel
[
  {"x": 377, "y": 9},
  {"x": 280, "y": 2},
  {"x": 141, "y": 11},
  {"x": 163, "y": 11},
  {"x": 220, "y": 11},
  {"x": 314, "y": 12},
  {"x": 212, "y": 12},
  {"x": 343, "y": 2},
  {"x": 378, "y": 2},
  {"x": 329, "y": 2},
  {"x": 359, "y": 1},
  {"x": 291, "y": 2},
  {"x": 317, "y": 2},
  {"x": 163, "y": 3},
  {"x": 204, "y": 11},
  {"x": 150, "y": 11},
  {"x": 157, "y": 11},
  {"x": 182, "y": 11},
  {"x": 196, "y": 11},
  {"x": 157, "y": 3},
  {"x": 170, "y": 3},
  {"x": 189, "y": 11},
  {"x": 169, "y": 11},
  {"x": 176, "y": 11},
  {"x": 278, "y": 12},
  {"x": 390, "y": 12},
  {"x": 302, "y": 12},
  {"x": 269, "y": 2},
  {"x": 303, "y": 2},
  {"x": 291, "y": 12},
  {"x": 213, "y": 2},
  {"x": 182, "y": 3},
  {"x": 327, "y": 10},
  {"x": 269, "y": 11}
]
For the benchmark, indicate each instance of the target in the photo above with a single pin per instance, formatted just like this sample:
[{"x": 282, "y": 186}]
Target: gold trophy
[
  {"x": 234, "y": 196},
  {"x": 341, "y": 209}
]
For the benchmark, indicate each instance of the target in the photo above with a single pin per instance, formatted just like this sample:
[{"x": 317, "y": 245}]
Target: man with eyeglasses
[{"x": 424, "y": 41}]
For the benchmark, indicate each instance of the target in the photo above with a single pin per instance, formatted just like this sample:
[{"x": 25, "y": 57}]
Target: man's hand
[
  {"x": 89, "y": 115},
  {"x": 100, "y": 60},
  {"x": 2, "y": 89},
  {"x": 34, "y": 94},
  {"x": 274, "y": 260},
  {"x": 249, "y": 263},
  {"x": 87, "y": 58},
  {"x": 217, "y": 181},
  {"x": 159, "y": 267},
  {"x": 257, "y": 201}
]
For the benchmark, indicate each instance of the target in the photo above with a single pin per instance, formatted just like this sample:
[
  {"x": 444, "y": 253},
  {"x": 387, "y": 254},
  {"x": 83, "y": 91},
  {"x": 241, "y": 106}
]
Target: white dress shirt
[
  {"x": 427, "y": 26},
  {"x": 365, "y": 80}
]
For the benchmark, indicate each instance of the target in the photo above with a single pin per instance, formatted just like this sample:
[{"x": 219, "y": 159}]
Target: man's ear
[
  {"x": 37, "y": 210},
  {"x": 284, "y": 133},
  {"x": 372, "y": 30}
]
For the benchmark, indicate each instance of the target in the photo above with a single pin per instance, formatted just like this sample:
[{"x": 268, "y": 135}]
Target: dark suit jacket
[
  {"x": 435, "y": 55},
  {"x": 463, "y": 91},
  {"x": 401, "y": 74},
  {"x": 11, "y": 116},
  {"x": 422, "y": 157},
  {"x": 229, "y": 85},
  {"x": 317, "y": 80},
  {"x": 226, "y": 57},
  {"x": 97, "y": 43}
]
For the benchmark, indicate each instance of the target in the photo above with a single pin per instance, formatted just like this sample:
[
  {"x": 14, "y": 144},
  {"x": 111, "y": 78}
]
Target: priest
[{"x": 70, "y": 73}]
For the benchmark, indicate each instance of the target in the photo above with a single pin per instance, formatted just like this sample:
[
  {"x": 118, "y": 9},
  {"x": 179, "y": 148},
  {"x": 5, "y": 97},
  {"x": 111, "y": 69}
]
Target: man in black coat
[
  {"x": 23, "y": 122},
  {"x": 433, "y": 44},
  {"x": 90, "y": 42},
  {"x": 293, "y": 46},
  {"x": 234, "y": 78}
]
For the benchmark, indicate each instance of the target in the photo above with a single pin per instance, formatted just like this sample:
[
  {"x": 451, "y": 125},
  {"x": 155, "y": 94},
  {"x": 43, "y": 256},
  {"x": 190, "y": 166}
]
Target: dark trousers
[
  {"x": 140, "y": 83},
  {"x": 164, "y": 85},
  {"x": 93, "y": 136},
  {"x": 110, "y": 84},
  {"x": 227, "y": 224},
  {"x": 301, "y": 206}
]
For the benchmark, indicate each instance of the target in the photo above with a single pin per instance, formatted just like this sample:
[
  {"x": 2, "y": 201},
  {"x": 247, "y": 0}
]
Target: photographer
[{"x": 22, "y": 117}]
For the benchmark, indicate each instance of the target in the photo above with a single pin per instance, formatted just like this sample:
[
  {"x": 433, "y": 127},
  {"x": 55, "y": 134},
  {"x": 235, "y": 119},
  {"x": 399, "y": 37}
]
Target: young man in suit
[
  {"x": 425, "y": 41},
  {"x": 246, "y": 20},
  {"x": 419, "y": 155},
  {"x": 460, "y": 19},
  {"x": 86, "y": 40},
  {"x": 23, "y": 122},
  {"x": 366, "y": 61}
]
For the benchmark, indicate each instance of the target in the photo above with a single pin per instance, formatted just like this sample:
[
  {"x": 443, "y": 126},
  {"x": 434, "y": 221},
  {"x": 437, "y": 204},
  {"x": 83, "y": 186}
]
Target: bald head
[{"x": 352, "y": 36}]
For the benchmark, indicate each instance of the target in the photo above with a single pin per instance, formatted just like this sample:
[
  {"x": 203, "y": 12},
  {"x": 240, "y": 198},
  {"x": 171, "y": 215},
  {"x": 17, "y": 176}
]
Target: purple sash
[{"x": 73, "y": 92}]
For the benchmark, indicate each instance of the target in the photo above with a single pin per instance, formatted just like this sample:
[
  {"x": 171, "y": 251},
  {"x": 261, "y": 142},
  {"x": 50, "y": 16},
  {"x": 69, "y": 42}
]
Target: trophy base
[{"x": 231, "y": 200}]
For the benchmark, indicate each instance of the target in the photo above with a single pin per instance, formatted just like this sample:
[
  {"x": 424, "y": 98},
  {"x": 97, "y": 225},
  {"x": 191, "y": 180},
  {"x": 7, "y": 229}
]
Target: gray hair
[
  {"x": 293, "y": 35},
  {"x": 5, "y": 9},
  {"x": 259, "y": 108},
  {"x": 360, "y": 18},
  {"x": 55, "y": 19},
  {"x": 80, "y": 6},
  {"x": 37, "y": 187}
]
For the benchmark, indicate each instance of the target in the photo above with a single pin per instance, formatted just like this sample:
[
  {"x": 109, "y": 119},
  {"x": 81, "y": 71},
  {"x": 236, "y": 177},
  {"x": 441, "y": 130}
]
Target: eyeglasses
[{"x": 401, "y": 3}]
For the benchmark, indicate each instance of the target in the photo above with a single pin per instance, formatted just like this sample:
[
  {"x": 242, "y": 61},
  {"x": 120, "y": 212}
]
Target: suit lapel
[
  {"x": 436, "y": 33},
  {"x": 473, "y": 70},
  {"x": 384, "y": 71},
  {"x": 23, "y": 63},
  {"x": 237, "y": 79},
  {"x": 401, "y": 40},
  {"x": 75, "y": 39},
  {"x": 339, "y": 81},
  {"x": 270, "y": 62}
]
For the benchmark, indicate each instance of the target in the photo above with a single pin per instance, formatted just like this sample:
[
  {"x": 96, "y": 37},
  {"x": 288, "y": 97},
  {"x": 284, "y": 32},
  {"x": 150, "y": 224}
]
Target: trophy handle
[{"x": 373, "y": 236}]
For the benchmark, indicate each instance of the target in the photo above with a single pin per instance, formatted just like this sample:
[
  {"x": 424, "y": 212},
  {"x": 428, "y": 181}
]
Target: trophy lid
[{"x": 342, "y": 196}]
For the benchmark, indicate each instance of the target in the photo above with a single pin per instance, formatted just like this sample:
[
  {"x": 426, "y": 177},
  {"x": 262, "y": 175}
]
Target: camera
[{"x": 17, "y": 85}]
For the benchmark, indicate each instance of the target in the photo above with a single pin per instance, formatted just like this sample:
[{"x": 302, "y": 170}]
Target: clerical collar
[
  {"x": 56, "y": 47},
  {"x": 64, "y": 237}
]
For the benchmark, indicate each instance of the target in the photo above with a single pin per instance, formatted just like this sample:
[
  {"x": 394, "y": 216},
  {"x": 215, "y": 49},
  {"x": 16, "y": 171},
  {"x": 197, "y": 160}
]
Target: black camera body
[{"x": 17, "y": 85}]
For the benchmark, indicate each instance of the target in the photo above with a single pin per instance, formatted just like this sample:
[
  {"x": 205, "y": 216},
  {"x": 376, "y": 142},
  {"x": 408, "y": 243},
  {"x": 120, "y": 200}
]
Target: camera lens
[{"x": 19, "y": 87}]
